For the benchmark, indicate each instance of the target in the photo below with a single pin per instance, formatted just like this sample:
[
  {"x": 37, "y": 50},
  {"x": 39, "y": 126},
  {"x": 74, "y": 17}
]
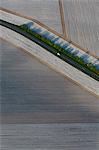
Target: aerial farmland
[
  {"x": 81, "y": 18},
  {"x": 82, "y": 23},
  {"x": 45, "y": 11},
  {"x": 41, "y": 108}
]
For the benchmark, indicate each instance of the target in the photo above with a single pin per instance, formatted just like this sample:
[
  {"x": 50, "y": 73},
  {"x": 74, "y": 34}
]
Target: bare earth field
[
  {"x": 81, "y": 18},
  {"x": 75, "y": 136},
  {"x": 33, "y": 90},
  {"x": 82, "y": 22},
  {"x": 46, "y": 11},
  {"x": 41, "y": 110}
]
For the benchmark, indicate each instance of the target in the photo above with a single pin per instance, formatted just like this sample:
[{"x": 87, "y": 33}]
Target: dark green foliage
[{"x": 60, "y": 50}]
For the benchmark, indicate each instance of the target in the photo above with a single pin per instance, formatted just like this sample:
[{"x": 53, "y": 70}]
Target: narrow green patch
[
  {"x": 61, "y": 50},
  {"x": 64, "y": 54}
]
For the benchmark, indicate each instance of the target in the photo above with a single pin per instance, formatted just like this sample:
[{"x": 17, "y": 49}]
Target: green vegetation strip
[
  {"x": 60, "y": 50},
  {"x": 65, "y": 55}
]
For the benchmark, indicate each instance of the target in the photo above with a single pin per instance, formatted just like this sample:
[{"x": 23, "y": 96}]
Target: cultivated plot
[
  {"x": 82, "y": 23},
  {"x": 46, "y": 11}
]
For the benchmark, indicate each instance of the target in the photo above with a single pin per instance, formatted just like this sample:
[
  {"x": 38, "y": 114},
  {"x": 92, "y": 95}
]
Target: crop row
[{"x": 60, "y": 50}]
